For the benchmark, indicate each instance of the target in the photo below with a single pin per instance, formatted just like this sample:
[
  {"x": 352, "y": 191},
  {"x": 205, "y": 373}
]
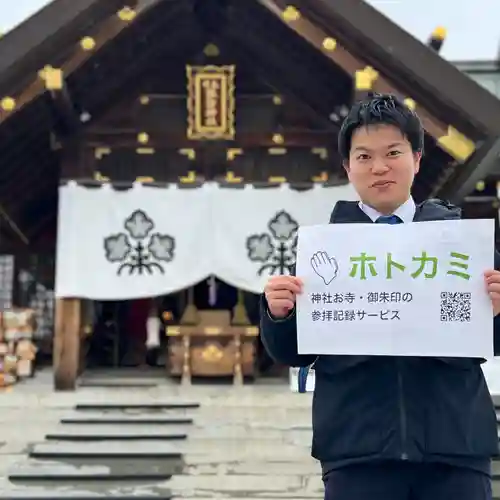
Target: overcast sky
[{"x": 473, "y": 25}]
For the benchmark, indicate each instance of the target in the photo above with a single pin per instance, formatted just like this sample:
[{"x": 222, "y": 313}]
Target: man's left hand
[{"x": 492, "y": 280}]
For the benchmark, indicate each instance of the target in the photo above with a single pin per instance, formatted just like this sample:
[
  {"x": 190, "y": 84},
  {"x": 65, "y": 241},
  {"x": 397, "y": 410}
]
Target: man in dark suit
[{"x": 390, "y": 428}]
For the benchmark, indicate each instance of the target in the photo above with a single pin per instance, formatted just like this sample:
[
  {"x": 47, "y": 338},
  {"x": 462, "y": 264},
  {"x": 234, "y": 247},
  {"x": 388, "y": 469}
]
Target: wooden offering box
[{"x": 212, "y": 348}]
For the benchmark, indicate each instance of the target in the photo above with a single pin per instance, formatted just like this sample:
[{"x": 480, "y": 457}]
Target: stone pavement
[{"x": 249, "y": 442}]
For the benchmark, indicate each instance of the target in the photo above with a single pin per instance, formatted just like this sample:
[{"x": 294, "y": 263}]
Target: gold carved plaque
[{"x": 211, "y": 102}]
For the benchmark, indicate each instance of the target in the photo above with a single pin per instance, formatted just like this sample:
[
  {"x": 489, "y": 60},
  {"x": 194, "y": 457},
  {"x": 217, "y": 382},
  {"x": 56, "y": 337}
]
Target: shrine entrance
[{"x": 214, "y": 318}]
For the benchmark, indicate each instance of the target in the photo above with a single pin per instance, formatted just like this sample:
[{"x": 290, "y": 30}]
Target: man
[{"x": 390, "y": 428}]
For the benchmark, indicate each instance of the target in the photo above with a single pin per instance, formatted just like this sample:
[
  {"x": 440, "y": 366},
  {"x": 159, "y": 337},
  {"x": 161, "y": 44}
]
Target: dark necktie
[{"x": 389, "y": 219}]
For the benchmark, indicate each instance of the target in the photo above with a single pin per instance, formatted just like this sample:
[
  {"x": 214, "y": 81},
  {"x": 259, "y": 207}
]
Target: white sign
[{"x": 396, "y": 290}]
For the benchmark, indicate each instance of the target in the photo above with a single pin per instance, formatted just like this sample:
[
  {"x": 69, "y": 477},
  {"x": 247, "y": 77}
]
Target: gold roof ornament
[
  {"x": 127, "y": 14},
  {"x": 8, "y": 103},
  {"x": 329, "y": 44},
  {"x": 291, "y": 14},
  {"x": 87, "y": 43}
]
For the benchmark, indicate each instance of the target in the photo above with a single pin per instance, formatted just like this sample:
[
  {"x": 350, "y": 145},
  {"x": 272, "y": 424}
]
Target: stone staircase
[
  {"x": 108, "y": 450},
  {"x": 250, "y": 442}
]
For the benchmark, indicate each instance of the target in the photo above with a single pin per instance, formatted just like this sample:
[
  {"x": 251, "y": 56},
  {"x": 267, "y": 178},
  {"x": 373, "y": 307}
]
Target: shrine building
[{"x": 158, "y": 157}]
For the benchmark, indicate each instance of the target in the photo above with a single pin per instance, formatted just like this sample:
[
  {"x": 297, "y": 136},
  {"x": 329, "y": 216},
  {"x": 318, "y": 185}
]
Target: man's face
[{"x": 382, "y": 166}]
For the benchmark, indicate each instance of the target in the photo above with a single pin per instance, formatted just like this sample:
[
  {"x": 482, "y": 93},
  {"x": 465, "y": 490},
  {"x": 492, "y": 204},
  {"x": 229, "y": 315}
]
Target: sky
[{"x": 473, "y": 25}]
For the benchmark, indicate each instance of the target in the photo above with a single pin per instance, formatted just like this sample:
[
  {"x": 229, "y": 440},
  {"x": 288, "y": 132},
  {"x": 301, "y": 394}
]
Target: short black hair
[{"x": 381, "y": 109}]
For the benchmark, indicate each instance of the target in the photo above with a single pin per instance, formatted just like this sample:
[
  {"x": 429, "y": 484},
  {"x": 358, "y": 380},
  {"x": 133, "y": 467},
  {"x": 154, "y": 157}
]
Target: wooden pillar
[
  {"x": 66, "y": 354},
  {"x": 68, "y": 314}
]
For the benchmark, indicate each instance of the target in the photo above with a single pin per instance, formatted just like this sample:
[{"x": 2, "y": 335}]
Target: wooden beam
[
  {"x": 68, "y": 122},
  {"x": 107, "y": 31},
  {"x": 66, "y": 353},
  {"x": 35, "y": 39},
  {"x": 367, "y": 78},
  {"x": 464, "y": 178},
  {"x": 128, "y": 138}
]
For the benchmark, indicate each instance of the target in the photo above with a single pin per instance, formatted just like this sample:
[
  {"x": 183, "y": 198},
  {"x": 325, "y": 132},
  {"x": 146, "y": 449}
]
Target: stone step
[
  {"x": 210, "y": 447},
  {"x": 106, "y": 449},
  {"x": 144, "y": 407},
  {"x": 200, "y": 417},
  {"x": 247, "y": 485},
  {"x": 55, "y": 491},
  {"x": 102, "y": 419},
  {"x": 103, "y": 468},
  {"x": 43, "y": 471},
  {"x": 236, "y": 432},
  {"x": 292, "y": 466},
  {"x": 115, "y": 434},
  {"x": 118, "y": 383}
]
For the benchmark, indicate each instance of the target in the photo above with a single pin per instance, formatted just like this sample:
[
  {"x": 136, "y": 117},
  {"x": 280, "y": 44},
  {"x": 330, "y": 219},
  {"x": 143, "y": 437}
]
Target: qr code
[{"x": 455, "y": 306}]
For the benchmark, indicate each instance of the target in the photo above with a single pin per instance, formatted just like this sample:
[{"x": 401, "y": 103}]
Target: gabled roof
[
  {"x": 473, "y": 31},
  {"x": 255, "y": 32}
]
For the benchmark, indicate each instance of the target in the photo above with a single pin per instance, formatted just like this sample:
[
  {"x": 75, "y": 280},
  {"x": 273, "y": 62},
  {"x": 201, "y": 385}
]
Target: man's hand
[
  {"x": 492, "y": 279},
  {"x": 280, "y": 293}
]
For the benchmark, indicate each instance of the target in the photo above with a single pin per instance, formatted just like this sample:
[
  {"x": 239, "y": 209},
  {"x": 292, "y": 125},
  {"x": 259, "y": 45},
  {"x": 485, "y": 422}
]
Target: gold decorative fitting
[
  {"x": 329, "y": 44},
  {"x": 143, "y": 179},
  {"x": 212, "y": 330},
  {"x": 277, "y": 179},
  {"x": 211, "y": 50},
  {"x": 278, "y": 139},
  {"x": 8, "y": 103},
  {"x": 321, "y": 152},
  {"x": 291, "y": 14},
  {"x": 480, "y": 186},
  {"x": 410, "y": 103},
  {"x": 144, "y": 100},
  {"x": 173, "y": 331},
  {"x": 323, "y": 177},
  {"x": 439, "y": 33},
  {"x": 211, "y": 102},
  {"x": 277, "y": 151},
  {"x": 145, "y": 151},
  {"x": 190, "y": 178},
  {"x": 277, "y": 100},
  {"x": 100, "y": 152},
  {"x": 232, "y": 153},
  {"x": 212, "y": 353},
  {"x": 101, "y": 178},
  {"x": 457, "y": 145},
  {"x": 127, "y": 14},
  {"x": 87, "y": 43},
  {"x": 232, "y": 179},
  {"x": 143, "y": 138},
  {"x": 189, "y": 153},
  {"x": 53, "y": 78},
  {"x": 252, "y": 331},
  {"x": 364, "y": 78},
  {"x": 42, "y": 73}
]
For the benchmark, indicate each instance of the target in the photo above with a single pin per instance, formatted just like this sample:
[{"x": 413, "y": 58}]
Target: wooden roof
[{"x": 461, "y": 118}]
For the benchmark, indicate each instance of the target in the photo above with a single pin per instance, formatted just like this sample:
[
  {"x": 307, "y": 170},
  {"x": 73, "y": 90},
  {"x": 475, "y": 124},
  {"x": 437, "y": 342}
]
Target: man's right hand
[{"x": 280, "y": 293}]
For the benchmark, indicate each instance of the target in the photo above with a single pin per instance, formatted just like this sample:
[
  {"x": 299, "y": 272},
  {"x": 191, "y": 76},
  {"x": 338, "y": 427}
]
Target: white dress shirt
[{"x": 406, "y": 212}]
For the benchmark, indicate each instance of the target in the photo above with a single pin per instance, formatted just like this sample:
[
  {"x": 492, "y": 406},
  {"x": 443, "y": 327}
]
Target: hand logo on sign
[{"x": 324, "y": 266}]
